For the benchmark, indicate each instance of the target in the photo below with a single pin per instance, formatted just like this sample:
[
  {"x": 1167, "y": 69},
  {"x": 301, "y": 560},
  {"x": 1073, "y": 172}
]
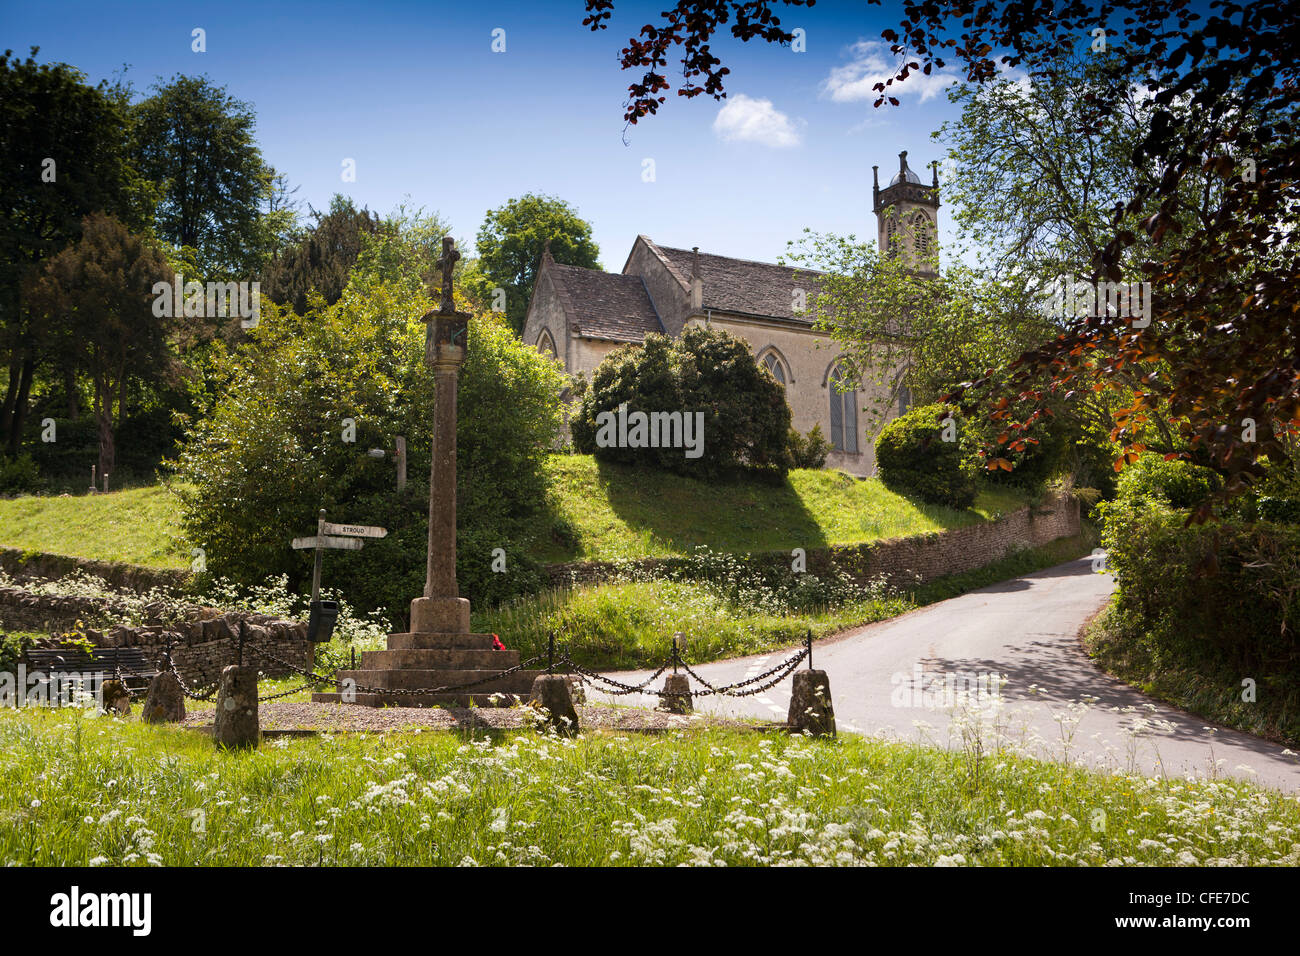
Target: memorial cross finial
[{"x": 446, "y": 263}]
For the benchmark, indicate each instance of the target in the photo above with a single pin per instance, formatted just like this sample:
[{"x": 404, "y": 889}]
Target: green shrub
[
  {"x": 272, "y": 452},
  {"x": 12, "y": 648},
  {"x": 19, "y": 475},
  {"x": 1179, "y": 483},
  {"x": 746, "y": 418},
  {"x": 808, "y": 451},
  {"x": 914, "y": 459},
  {"x": 1280, "y": 510},
  {"x": 1221, "y": 600}
]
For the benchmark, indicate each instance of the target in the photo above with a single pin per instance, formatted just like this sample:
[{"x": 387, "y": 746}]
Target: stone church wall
[
  {"x": 546, "y": 313},
  {"x": 904, "y": 561},
  {"x": 671, "y": 301},
  {"x": 808, "y": 357}
]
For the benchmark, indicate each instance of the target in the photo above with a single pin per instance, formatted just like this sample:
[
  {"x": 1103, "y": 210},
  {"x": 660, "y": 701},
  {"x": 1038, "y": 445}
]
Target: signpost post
[{"x": 342, "y": 537}]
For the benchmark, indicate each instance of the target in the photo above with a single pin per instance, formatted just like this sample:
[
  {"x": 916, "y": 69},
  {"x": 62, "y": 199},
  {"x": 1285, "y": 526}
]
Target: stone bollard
[
  {"x": 551, "y": 695},
  {"x": 577, "y": 689},
  {"x": 166, "y": 702},
  {"x": 236, "y": 721},
  {"x": 676, "y": 697},
  {"x": 810, "y": 704},
  {"x": 117, "y": 699}
]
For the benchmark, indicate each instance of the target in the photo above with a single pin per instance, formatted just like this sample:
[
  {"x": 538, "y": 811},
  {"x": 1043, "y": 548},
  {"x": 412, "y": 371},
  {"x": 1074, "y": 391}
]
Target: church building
[{"x": 581, "y": 315}]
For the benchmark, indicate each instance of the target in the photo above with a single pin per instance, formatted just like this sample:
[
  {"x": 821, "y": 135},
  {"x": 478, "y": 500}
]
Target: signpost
[
  {"x": 341, "y": 537},
  {"x": 355, "y": 531}
]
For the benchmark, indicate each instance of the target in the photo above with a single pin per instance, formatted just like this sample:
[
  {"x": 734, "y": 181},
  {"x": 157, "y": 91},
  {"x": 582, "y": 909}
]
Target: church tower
[{"x": 907, "y": 214}]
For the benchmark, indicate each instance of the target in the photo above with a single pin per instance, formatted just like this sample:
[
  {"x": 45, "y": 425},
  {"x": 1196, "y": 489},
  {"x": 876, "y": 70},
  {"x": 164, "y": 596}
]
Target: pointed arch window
[
  {"x": 922, "y": 234},
  {"x": 546, "y": 344},
  {"x": 772, "y": 362},
  {"x": 844, "y": 412}
]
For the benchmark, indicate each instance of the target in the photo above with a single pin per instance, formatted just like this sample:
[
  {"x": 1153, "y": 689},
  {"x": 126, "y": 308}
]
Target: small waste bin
[{"x": 320, "y": 626}]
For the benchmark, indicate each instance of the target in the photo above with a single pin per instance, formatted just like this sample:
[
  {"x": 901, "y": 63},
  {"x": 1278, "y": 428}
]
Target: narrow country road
[{"x": 907, "y": 678}]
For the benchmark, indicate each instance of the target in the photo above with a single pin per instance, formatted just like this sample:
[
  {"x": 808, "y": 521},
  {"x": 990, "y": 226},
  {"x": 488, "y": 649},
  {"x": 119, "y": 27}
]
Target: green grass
[
  {"x": 98, "y": 791},
  {"x": 616, "y": 511},
  {"x": 1194, "y": 686},
  {"x": 137, "y": 526},
  {"x": 630, "y": 624},
  {"x": 604, "y": 511}
]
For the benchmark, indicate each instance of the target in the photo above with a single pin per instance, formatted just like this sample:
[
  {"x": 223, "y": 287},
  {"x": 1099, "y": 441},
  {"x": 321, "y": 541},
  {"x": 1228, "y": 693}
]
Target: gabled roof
[
  {"x": 761, "y": 289},
  {"x": 605, "y": 305}
]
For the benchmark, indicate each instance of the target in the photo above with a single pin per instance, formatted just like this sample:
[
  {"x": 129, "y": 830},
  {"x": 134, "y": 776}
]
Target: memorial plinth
[{"x": 439, "y": 649}]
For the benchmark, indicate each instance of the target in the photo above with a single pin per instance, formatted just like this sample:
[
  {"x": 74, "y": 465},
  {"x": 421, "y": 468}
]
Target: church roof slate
[
  {"x": 742, "y": 286},
  {"x": 606, "y": 305}
]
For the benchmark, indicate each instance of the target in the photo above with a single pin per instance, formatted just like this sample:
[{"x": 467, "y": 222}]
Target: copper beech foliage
[
  {"x": 1221, "y": 355},
  {"x": 1221, "y": 347},
  {"x": 689, "y": 24}
]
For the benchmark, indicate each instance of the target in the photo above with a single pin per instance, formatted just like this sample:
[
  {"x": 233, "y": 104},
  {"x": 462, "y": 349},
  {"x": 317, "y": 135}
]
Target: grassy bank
[
  {"x": 97, "y": 791},
  {"x": 630, "y": 625},
  {"x": 1274, "y": 713},
  {"x": 599, "y": 512},
  {"x": 137, "y": 526},
  {"x": 615, "y": 511}
]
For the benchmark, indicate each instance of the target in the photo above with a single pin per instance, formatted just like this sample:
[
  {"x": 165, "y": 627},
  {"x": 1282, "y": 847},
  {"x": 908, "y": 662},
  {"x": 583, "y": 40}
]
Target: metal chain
[
  {"x": 777, "y": 674},
  {"x": 617, "y": 691},
  {"x": 293, "y": 690},
  {"x": 202, "y": 698},
  {"x": 785, "y": 668},
  {"x": 622, "y": 688},
  {"x": 404, "y": 690},
  {"x": 613, "y": 687}
]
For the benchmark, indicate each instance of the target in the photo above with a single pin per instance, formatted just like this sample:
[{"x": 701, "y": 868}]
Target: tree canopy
[
  {"x": 197, "y": 141},
  {"x": 510, "y": 244},
  {"x": 95, "y": 305},
  {"x": 1218, "y": 357},
  {"x": 63, "y": 155},
  {"x": 322, "y": 259}
]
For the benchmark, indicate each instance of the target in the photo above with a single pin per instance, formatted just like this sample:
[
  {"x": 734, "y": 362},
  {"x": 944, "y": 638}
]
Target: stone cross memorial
[{"x": 439, "y": 651}]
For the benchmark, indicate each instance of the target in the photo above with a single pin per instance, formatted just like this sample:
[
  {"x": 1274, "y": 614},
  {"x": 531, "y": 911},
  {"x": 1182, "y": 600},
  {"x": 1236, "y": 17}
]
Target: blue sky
[{"x": 415, "y": 95}]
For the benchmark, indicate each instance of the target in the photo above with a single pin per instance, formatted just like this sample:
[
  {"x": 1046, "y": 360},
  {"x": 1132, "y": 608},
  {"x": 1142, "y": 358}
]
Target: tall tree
[
  {"x": 1222, "y": 344},
  {"x": 99, "y": 294},
  {"x": 197, "y": 141},
  {"x": 322, "y": 260},
  {"x": 510, "y": 244},
  {"x": 63, "y": 154}
]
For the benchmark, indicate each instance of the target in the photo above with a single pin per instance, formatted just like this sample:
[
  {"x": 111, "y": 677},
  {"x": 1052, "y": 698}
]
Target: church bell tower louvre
[{"x": 907, "y": 215}]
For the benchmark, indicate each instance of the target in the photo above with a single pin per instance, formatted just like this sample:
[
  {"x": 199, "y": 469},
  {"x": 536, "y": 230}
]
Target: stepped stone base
[
  {"x": 434, "y": 659},
  {"x": 440, "y": 615}
]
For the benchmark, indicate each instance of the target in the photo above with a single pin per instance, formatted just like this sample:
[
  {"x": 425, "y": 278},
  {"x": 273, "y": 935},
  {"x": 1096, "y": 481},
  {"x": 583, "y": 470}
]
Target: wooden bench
[
  {"x": 136, "y": 666},
  {"x": 137, "y": 670}
]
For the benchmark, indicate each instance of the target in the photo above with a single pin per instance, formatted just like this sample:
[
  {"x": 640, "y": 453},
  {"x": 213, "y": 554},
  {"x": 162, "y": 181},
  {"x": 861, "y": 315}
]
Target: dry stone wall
[
  {"x": 39, "y": 564},
  {"x": 203, "y": 640},
  {"x": 901, "y": 560}
]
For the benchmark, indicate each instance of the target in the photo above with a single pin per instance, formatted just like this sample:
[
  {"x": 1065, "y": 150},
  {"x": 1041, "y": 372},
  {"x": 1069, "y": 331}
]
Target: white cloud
[
  {"x": 872, "y": 63},
  {"x": 745, "y": 119}
]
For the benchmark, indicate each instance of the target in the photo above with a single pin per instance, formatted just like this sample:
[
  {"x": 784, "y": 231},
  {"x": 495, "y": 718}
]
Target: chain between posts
[
  {"x": 410, "y": 691},
  {"x": 777, "y": 674}
]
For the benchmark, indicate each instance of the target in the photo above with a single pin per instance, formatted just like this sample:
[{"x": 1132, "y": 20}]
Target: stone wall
[
  {"x": 902, "y": 560},
  {"x": 39, "y": 564},
  {"x": 808, "y": 358},
  {"x": 203, "y": 639}
]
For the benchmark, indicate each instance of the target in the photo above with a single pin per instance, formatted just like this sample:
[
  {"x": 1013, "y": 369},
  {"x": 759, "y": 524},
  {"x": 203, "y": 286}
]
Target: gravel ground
[{"x": 282, "y": 717}]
